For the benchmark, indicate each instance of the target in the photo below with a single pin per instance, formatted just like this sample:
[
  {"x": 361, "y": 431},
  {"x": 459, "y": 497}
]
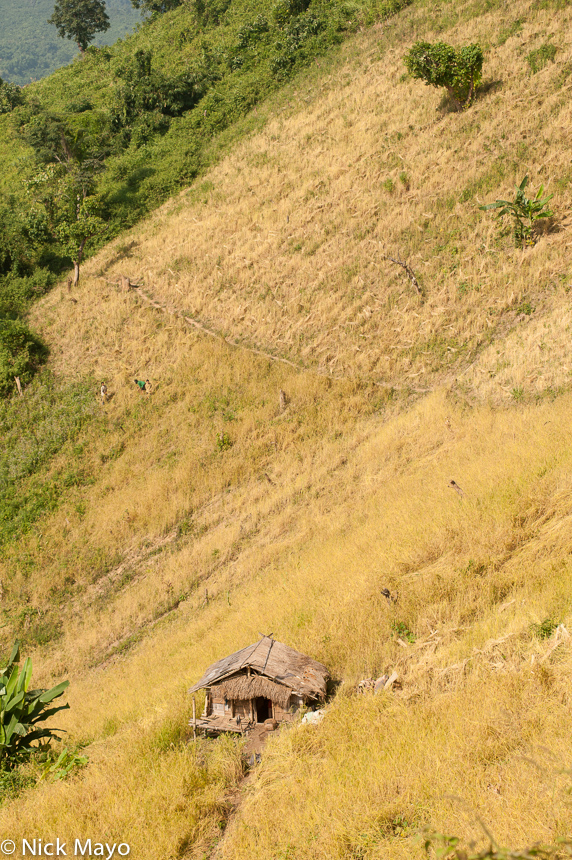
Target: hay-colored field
[{"x": 292, "y": 521}]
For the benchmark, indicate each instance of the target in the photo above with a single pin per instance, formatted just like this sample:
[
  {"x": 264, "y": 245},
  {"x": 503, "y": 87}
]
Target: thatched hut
[{"x": 265, "y": 681}]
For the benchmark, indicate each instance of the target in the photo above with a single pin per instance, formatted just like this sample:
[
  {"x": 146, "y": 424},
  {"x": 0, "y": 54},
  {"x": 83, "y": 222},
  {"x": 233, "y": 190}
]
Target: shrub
[
  {"x": 67, "y": 762},
  {"x": 441, "y": 65},
  {"x": 524, "y": 211},
  {"x": 223, "y": 441},
  {"x": 21, "y": 353}
]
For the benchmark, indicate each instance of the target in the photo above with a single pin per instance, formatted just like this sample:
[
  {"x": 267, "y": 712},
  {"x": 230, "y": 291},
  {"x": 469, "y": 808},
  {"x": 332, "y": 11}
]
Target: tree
[
  {"x": 75, "y": 230},
  {"x": 70, "y": 152},
  {"x": 11, "y": 95},
  {"x": 22, "y": 709},
  {"x": 80, "y": 20},
  {"x": 441, "y": 65}
]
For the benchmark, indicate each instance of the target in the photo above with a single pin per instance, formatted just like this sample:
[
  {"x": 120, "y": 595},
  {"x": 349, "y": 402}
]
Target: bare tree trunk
[
  {"x": 77, "y": 263},
  {"x": 454, "y": 98}
]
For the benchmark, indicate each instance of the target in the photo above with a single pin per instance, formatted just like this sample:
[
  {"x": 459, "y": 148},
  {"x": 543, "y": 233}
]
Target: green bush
[
  {"x": 65, "y": 764},
  {"x": 458, "y": 70},
  {"x": 21, "y": 353}
]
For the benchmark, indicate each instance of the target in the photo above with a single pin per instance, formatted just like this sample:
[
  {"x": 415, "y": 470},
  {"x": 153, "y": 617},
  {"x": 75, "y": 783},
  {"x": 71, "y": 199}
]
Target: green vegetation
[
  {"x": 540, "y": 58},
  {"x": 448, "y": 848},
  {"x": 441, "y": 65},
  {"x": 156, "y": 7},
  {"x": 80, "y": 20},
  {"x": 22, "y": 710},
  {"x": 30, "y": 48},
  {"x": 524, "y": 211},
  {"x": 545, "y": 629},
  {"x": 21, "y": 354},
  {"x": 62, "y": 765},
  {"x": 10, "y": 96},
  {"x": 34, "y": 429}
]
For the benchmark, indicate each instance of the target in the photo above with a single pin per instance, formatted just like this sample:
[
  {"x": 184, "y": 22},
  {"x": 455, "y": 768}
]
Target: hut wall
[
  {"x": 219, "y": 707},
  {"x": 242, "y": 709}
]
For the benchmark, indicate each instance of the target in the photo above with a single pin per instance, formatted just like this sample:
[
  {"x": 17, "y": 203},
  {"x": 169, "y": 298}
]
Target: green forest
[{"x": 30, "y": 48}]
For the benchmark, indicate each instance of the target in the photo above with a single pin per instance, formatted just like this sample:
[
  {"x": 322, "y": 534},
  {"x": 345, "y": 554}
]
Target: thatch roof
[
  {"x": 243, "y": 687},
  {"x": 274, "y": 660}
]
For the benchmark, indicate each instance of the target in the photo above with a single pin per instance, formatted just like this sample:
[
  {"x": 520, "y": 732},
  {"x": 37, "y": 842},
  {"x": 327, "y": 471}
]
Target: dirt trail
[
  {"x": 190, "y": 321},
  {"x": 234, "y": 345}
]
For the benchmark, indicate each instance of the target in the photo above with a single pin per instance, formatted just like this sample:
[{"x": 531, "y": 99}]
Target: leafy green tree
[
  {"x": 80, "y": 20},
  {"x": 22, "y": 709},
  {"x": 524, "y": 211},
  {"x": 11, "y": 95},
  {"x": 70, "y": 152},
  {"x": 75, "y": 229},
  {"x": 440, "y": 65}
]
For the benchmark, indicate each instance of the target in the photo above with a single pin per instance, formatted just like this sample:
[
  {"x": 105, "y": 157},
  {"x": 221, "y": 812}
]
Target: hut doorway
[{"x": 263, "y": 709}]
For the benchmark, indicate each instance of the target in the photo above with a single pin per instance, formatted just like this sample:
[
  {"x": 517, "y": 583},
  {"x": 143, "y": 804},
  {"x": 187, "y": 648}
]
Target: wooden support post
[{"x": 194, "y": 718}]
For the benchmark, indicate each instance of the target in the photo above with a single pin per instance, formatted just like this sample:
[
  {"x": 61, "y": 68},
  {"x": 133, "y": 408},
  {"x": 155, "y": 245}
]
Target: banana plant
[
  {"x": 21, "y": 709},
  {"x": 524, "y": 210}
]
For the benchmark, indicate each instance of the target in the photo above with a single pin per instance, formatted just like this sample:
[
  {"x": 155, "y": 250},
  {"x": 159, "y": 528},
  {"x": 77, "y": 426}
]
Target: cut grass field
[{"x": 294, "y": 520}]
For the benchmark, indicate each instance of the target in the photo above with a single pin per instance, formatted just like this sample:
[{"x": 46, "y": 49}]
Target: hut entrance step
[{"x": 263, "y": 708}]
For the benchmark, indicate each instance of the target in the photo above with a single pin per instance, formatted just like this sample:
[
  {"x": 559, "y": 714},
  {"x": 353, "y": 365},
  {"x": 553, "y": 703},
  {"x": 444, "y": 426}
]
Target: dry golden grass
[
  {"x": 283, "y": 249},
  {"x": 472, "y": 574},
  {"x": 298, "y": 525}
]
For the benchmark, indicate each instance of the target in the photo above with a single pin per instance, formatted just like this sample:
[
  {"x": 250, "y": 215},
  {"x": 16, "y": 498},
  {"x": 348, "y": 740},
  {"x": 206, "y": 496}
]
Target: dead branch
[{"x": 408, "y": 270}]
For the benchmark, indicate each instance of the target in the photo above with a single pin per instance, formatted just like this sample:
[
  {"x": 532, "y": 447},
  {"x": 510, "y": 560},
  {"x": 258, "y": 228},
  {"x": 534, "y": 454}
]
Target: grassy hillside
[
  {"x": 294, "y": 521},
  {"x": 30, "y": 48}
]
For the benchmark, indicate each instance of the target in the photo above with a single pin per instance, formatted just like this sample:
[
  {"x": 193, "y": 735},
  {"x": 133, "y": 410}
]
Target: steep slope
[
  {"x": 201, "y": 515},
  {"x": 288, "y": 252}
]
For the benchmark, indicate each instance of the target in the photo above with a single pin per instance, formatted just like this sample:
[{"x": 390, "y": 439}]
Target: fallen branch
[{"x": 408, "y": 270}]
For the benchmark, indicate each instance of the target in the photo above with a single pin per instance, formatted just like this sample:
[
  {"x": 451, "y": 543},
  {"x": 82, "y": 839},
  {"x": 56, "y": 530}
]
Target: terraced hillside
[{"x": 182, "y": 524}]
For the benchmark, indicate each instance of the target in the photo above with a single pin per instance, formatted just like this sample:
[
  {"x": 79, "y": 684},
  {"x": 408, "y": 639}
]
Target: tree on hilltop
[{"x": 80, "y": 20}]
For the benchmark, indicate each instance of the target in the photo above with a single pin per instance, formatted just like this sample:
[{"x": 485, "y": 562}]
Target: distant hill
[{"x": 30, "y": 47}]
